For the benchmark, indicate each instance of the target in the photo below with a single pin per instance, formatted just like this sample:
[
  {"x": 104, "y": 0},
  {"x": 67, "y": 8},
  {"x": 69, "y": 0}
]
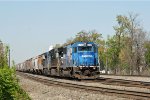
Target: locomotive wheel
[
  {"x": 61, "y": 73},
  {"x": 87, "y": 73},
  {"x": 45, "y": 71},
  {"x": 72, "y": 73}
]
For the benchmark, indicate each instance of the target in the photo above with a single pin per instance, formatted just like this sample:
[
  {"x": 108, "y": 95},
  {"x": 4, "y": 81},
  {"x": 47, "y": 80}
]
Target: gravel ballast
[
  {"x": 98, "y": 84},
  {"x": 39, "y": 91}
]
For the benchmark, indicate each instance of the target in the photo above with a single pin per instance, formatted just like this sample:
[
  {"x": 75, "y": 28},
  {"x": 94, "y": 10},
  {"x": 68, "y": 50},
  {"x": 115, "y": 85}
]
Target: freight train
[{"x": 78, "y": 60}]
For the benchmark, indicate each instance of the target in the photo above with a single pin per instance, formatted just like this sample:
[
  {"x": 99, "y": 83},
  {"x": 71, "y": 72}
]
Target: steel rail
[
  {"x": 124, "y": 93},
  {"x": 123, "y": 82}
]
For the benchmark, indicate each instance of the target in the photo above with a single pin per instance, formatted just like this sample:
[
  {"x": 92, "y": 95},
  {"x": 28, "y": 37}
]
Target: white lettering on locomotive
[{"x": 87, "y": 56}]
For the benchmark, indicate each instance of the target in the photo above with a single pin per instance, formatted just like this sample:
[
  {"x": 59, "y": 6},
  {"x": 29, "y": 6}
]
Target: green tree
[
  {"x": 82, "y": 36},
  {"x": 2, "y": 55},
  {"x": 130, "y": 38},
  {"x": 147, "y": 53},
  {"x": 111, "y": 53},
  {"x": 91, "y": 36},
  {"x": 9, "y": 87},
  {"x": 119, "y": 36}
]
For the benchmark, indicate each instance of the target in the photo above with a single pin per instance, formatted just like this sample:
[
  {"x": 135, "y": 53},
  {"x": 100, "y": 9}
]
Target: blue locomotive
[
  {"x": 77, "y": 60},
  {"x": 85, "y": 59}
]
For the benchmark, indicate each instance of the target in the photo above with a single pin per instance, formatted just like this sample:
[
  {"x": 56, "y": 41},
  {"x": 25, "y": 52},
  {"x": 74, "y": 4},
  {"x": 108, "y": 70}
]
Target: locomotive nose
[{"x": 87, "y": 59}]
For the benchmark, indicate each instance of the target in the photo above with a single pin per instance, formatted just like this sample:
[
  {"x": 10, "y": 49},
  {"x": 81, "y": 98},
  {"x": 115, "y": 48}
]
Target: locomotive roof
[{"x": 77, "y": 43}]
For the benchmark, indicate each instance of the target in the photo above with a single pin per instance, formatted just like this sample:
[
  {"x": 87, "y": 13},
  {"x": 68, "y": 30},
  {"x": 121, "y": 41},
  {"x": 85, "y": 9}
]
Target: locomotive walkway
[{"x": 129, "y": 92}]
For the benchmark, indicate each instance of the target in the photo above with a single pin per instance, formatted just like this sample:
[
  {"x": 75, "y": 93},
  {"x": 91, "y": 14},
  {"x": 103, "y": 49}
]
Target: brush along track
[{"x": 119, "y": 92}]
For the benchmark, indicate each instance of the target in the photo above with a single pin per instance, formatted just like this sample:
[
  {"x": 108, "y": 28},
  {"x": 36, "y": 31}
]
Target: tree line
[
  {"x": 127, "y": 50},
  {"x": 125, "y": 53}
]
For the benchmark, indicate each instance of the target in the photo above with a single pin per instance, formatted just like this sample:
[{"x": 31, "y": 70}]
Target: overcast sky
[{"x": 30, "y": 27}]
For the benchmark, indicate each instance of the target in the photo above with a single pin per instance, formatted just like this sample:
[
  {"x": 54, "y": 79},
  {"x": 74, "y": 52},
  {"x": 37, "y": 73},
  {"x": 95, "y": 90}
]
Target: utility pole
[
  {"x": 106, "y": 67},
  {"x": 9, "y": 57}
]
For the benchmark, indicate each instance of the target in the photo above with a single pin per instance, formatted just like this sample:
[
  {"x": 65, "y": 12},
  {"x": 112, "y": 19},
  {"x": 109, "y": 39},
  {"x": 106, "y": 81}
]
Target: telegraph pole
[
  {"x": 106, "y": 67},
  {"x": 9, "y": 57}
]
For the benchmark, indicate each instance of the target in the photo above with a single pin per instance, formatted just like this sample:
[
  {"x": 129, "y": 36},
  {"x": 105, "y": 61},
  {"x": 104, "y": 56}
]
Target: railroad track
[
  {"x": 119, "y": 92},
  {"x": 127, "y": 75},
  {"x": 122, "y": 82}
]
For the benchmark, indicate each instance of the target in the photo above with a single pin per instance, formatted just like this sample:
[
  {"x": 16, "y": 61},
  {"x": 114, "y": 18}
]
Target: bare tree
[
  {"x": 130, "y": 30},
  {"x": 139, "y": 40}
]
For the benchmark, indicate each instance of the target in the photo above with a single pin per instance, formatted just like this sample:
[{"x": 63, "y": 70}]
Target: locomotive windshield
[{"x": 87, "y": 48}]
